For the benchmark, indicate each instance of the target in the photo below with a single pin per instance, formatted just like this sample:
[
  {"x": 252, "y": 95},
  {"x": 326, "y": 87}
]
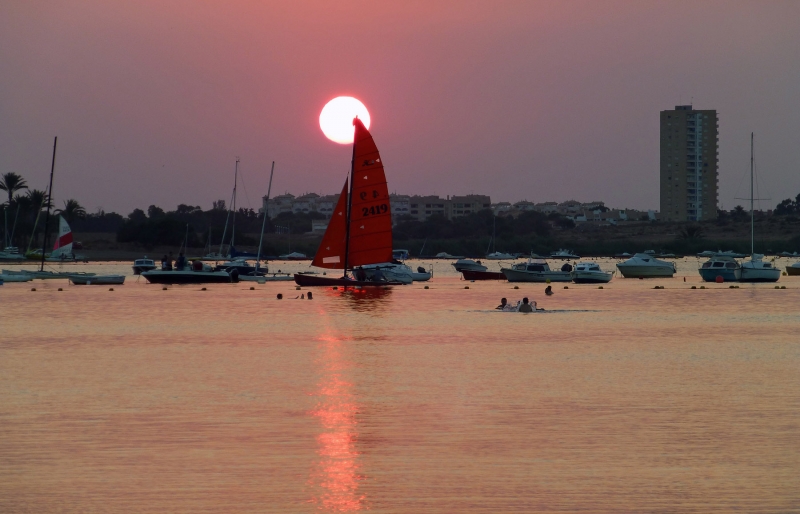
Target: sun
[{"x": 336, "y": 118}]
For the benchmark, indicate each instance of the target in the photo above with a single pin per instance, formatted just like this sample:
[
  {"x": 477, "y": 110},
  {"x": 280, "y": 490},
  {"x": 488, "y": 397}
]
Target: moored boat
[
  {"x": 537, "y": 270},
  {"x": 97, "y": 280},
  {"x": 190, "y": 276},
  {"x": 793, "y": 269},
  {"x": 468, "y": 264},
  {"x": 564, "y": 254},
  {"x": 642, "y": 265},
  {"x": 721, "y": 266},
  {"x": 145, "y": 264},
  {"x": 590, "y": 273},
  {"x": 482, "y": 275}
]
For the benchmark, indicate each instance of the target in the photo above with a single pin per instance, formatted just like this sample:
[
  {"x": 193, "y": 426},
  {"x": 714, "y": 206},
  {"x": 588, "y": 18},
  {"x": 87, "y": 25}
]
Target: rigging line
[{"x": 245, "y": 193}]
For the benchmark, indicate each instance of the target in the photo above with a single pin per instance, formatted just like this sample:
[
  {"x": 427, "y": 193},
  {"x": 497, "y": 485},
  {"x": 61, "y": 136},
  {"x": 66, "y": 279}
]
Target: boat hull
[
  {"x": 591, "y": 278},
  {"x": 793, "y": 270},
  {"x": 266, "y": 278},
  {"x": 728, "y": 275},
  {"x": 138, "y": 270},
  {"x": 646, "y": 271},
  {"x": 302, "y": 279},
  {"x": 513, "y": 275},
  {"x": 482, "y": 275},
  {"x": 98, "y": 280},
  {"x": 190, "y": 277}
]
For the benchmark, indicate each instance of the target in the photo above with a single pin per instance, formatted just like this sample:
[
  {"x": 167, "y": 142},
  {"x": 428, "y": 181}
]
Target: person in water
[
  {"x": 503, "y": 304},
  {"x": 525, "y": 307},
  {"x": 548, "y": 290}
]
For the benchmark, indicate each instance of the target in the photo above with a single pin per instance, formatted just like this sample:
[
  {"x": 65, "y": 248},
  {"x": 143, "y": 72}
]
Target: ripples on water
[{"x": 402, "y": 400}]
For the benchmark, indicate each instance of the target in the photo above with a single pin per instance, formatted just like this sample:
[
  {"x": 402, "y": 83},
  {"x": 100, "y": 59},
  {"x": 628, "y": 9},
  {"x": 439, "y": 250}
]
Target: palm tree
[
  {"x": 11, "y": 183},
  {"x": 38, "y": 199},
  {"x": 72, "y": 209}
]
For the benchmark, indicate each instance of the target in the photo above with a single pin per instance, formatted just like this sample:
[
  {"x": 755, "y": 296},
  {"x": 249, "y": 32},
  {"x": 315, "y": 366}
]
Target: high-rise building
[{"x": 689, "y": 180}]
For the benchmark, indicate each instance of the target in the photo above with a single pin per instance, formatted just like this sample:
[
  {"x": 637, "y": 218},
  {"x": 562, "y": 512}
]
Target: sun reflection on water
[{"x": 336, "y": 476}]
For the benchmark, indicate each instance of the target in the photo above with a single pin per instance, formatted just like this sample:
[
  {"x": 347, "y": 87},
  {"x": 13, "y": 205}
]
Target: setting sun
[{"x": 336, "y": 118}]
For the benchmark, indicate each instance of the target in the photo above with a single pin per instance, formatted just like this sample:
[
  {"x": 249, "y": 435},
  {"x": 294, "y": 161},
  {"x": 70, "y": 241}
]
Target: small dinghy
[{"x": 97, "y": 280}]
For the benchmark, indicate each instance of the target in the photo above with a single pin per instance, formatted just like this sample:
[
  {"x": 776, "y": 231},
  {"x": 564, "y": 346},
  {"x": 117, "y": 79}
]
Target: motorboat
[
  {"x": 384, "y": 271},
  {"x": 421, "y": 274},
  {"x": 145, "y": 264},
  {"x": 642, "y": 265},
  {"x": 757, "y": 270},
  {"x": 720, "y": 253},
  {"x": 241, "y": 265},
  {"x": 482, "y": 275},
  {"x": 789, "y": 254},
  {"x": 793, "y": 269},
  {"x": 197, "y": 273},
  {"x": 13, "y": 277},
  {"x": 45, "y": 275},
  {"x": 537, "y": 270},
  {"x": 499, "y": 256},
  {"x": 564, "y": 254},
  {"x": 623, "y": 255},
  {"x": 266, "y": 277},
  {"x": 11, "y": 253},
  {"x": 400, "y": 254},
  {"x": 97, "y": 280},
  {"x": 445, "y": 255},
  {"x": 469, "y": 264},
  {"x": 722, "y": 266},
  {"x": 590, "y": 273},
  {"x": 294, "y": 256}
]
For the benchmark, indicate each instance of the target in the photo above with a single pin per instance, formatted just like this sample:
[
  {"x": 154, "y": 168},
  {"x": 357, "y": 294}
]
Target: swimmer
[
  {"x": 548, "y": 290},
  {"x": 525, "y": 307}
]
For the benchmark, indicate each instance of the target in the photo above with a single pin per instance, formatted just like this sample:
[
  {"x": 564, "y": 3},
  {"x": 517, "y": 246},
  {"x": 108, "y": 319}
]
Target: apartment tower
[{"x": 689, "y": 180}]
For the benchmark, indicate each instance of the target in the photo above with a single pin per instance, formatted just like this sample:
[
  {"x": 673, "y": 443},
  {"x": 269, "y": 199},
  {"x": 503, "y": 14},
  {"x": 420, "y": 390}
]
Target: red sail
[
  {"x": 370, "y": 212},
  {"x": 330, "y": 253}
]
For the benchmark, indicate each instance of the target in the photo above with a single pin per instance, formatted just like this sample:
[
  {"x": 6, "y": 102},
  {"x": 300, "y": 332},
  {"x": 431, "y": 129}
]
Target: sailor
[{"x": 525, "y": 307}]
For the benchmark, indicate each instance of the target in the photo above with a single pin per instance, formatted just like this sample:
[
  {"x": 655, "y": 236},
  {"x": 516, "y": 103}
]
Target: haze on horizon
[{"x": 152, "y": 101}]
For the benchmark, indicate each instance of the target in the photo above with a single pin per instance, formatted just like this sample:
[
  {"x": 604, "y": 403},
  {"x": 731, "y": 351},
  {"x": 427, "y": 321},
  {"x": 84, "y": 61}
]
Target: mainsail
[
  {"x": 370, "y": 212},
  {"x": 63, "y": 246},
  {"x": 334, "y": 245}
]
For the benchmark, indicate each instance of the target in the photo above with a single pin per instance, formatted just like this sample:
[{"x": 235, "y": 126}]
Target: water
[{"x": 625, "y": 399}]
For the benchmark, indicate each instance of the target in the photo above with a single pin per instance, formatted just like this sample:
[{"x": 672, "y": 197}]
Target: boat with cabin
[
  {"x": 537, "y": 270},
  {"x": 195, "y": 273},
  {"x": 144, "y": 264},
  {"x": 642, "y": 265},
  {"x": 590, "y": 273},
  {"x": 360, "y": 230},
  {"x": 469, "y": 265},
  {"x": 721, "y": 268}
]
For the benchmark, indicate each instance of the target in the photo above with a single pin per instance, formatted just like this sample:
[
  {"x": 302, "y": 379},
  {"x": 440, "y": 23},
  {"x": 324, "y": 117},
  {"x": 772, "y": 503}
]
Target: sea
[{"x": 222, "y": 398}]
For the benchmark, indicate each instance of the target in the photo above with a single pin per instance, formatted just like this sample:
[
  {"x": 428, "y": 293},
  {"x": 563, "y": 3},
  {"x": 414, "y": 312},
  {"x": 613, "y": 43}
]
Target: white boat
[
  {"x": 45, "y": 275},
  {"x": 9, "y": 277},
  {"x": 756, "y": 270},
  {"x": 389, "y": 270},
  {"x": 499, "y": 256},
  {"x": 642, "y": 265},
  {"x": 294, "y": 256},
  {"x": 11, "y": 253},
  {"x": 140, "y": 265},
  {"x": 789, "y": 254},
  {"x": 469, "y": 265},
  {"x": 445, "y": 255},
  {"x": 590, "y": 273},
  {"x": 400, "y": 254},
  {"x": 564, "y": 254},
  {"x": 722, "y": 267},
  {"x": 537, "y": 270},
  {"x": 97, "y": 280}
]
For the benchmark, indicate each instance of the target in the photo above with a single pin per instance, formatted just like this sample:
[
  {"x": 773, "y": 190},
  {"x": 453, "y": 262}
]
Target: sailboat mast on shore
[{"x": 49, "y": 202}]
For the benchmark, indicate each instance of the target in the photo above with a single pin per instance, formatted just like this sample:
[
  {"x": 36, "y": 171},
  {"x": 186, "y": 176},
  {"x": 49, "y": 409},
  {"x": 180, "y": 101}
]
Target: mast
[
  {"x": 49, "y": 202},
  {"x": 349, "y": 202},
  {"x": 752, "y": 223},
  {"x": 233, "y": 225},
  {"x": 264, "y": 221}
]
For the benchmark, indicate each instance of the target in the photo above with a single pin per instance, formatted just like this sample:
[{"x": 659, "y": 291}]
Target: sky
[{"x": 153, "y": 101}]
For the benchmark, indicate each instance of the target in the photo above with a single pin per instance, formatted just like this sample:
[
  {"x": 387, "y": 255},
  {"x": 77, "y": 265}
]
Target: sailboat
[
  {"x": 495, "y": 255},
  {"x": 360, "y": 230},
  {"x": 62, "y": 249},
  {"x": 756, "y": 270}
]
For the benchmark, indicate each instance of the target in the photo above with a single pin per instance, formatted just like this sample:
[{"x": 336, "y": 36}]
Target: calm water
[{"x": 625, "y": 399}]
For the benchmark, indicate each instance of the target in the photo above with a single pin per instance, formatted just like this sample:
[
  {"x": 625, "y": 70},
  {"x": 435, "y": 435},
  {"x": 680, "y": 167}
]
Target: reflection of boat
[
  {"x": 564, "y": 254},
  {"x": 590, "y": 273},
  {"x": 482, "y": 275},
  {"x": 537, "y": 270},
  {"x": 721, "y": 266},
  {"x": 756, "y": 270},
  {"x": 469, "y": 264},
  {"x": 360, "y": 230},
  {"x": 97, "y": 280},
  {"x": 793, "y": 269},
  {"x": 140, "y": 265},
  {"x": 642, "y": 265}
]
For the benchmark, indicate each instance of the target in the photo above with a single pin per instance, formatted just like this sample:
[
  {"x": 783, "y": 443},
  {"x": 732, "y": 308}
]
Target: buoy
[
  {"x": 33, "y": 289},
  {"x": 777, "y": 287},
  {"x": 280, "y": 296},
  {"x": 719, "y": 279},
  {"x": 783, "y": 287},
  {"x": 702, "y": 287},
  {"x": 472, "y": 281},
  {"x": 203, "y": 289},
  {"x": 309, "y": 296},
  {"x": 684, "y": 279},
  {"x": 566, "y": 287},
  {"x": 600, "y": 287},
  {"x": 110, "y": 288},
  {"x": 324, "y": 272},
  {"x": 426, "y": 287},
  {"x": 297, "y": 288},
  {"x": 335, "y": 288},
  {"x": 731, "y": 287},
  {"x": 60, "y": 289},
  {"x": 548, "y": 280},
  {"x": 466, "y": 287},
  {"x": 516, "y": 287},
  {"x": 252, "y": 288},
  {"x": 694, "y": 287},
  {"x": 641, "y": 278},
  {"x": 784, "y": 274},
  {"x": 164, "y": 288}
]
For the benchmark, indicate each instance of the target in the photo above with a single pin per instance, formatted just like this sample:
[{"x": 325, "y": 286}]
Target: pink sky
[{"x": 152, "y": 100}]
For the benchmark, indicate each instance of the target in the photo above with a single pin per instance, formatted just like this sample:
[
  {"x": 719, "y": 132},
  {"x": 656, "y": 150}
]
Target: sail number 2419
[{"x": 375, "y": 210}]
